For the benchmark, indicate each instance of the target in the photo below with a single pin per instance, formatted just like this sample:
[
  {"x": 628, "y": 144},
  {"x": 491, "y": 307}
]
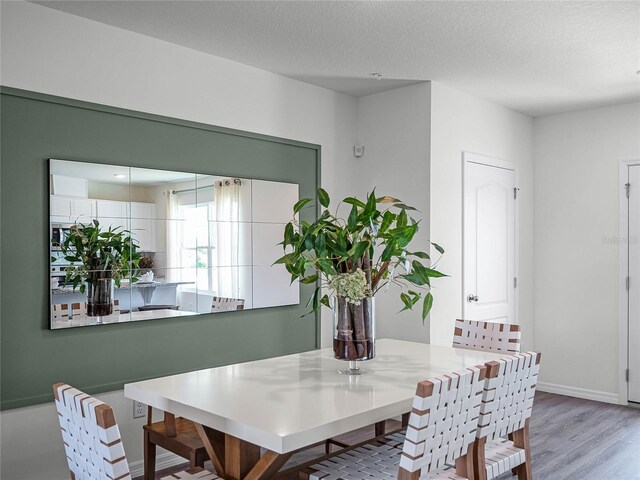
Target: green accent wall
[{"x": 36, "y": 127}]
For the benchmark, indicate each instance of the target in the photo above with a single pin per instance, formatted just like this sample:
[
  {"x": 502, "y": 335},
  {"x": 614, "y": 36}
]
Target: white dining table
[{"x": 286, "y": 403}]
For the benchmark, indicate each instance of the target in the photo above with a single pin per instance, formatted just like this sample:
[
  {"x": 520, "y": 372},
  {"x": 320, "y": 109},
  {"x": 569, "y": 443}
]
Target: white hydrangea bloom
[{"x": 352, "y": 286}]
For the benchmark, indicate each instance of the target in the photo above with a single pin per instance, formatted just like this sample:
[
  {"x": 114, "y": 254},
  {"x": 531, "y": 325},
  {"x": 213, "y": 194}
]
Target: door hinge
[
  {"x": 627, "y": 188},
  {"x": 627, "y": 375},
  {"x": 515, "y": 282},
  {"x": 515, "y": 193},
  {"x": 627, "y": 283}
]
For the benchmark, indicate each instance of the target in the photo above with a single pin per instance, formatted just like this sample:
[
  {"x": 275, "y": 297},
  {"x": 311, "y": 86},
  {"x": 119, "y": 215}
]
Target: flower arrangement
[
  {"x": 146, "y": 263},
  {"x": 352, "y": 286},
  {"x": 358, "y": 256},
  {"x": 97, "y": 253}
]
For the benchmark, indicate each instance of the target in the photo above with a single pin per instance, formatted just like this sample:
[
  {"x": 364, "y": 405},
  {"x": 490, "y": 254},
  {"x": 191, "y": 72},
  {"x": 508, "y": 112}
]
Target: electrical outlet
[{"x": 138, "y": 409}]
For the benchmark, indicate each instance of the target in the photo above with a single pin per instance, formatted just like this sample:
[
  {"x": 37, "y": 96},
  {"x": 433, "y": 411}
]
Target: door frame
[
  {"x": 470, "y": 157},
  {"x": 623, "y": 255}
]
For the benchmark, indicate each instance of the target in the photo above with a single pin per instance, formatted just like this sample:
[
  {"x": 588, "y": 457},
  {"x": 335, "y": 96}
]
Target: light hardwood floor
[{"x": 571, "y": 439}]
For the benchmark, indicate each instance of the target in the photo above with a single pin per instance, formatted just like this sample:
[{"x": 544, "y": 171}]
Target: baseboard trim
[
  {"x": 577, "y": 392},
  {"x": 163, "y": 460}
]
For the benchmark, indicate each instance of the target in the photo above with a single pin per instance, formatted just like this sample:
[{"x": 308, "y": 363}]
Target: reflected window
[{"x": 198, "y": 244}]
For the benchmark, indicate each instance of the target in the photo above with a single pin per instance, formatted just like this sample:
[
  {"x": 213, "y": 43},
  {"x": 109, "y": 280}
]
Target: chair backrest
[
  {"x": 508, "y": 397},
  {"x": 91, "y": 436},
  {"x": 59, "y": 311},
  {"x": 79, "y": 309},
  {"x": 490, "y": 336},
  {"x": 443, "y": 421},
  {"x": 222, "y": 304}
]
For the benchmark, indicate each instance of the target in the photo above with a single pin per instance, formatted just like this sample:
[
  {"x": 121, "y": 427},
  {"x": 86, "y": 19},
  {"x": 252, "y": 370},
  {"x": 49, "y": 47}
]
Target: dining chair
[
  {"x": 442, "y": 428},
  {"x": 509, "y": 391},
  {"x": 471, "y": 335},
  {"x": 223, "y": 304},
  {"x": 489, "y": 336},
  {"x": 177, "y": 435},
  {"x": 92, "y": 439}
]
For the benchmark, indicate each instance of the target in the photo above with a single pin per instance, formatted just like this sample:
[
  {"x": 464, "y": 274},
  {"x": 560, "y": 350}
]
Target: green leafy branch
[
  {"x": 375, "y": 238},
  {"x": 90, "y": 249}
]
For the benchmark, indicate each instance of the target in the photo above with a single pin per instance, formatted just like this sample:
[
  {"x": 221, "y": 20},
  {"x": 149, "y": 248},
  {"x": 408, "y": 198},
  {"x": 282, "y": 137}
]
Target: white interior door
[
  {"x": 488, "y": 240},
  {"x": 634, "y": 283}
]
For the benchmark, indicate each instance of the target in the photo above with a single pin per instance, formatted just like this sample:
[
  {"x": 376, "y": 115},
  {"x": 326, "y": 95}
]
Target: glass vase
[
  {"x": 353, "y": 332},
  {"x": 99, "y": 294}
]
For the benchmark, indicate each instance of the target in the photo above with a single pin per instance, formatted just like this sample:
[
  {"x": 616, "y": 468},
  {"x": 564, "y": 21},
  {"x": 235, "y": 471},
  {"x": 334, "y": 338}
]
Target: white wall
[
  {"x": 460, "y": 122},
  {"x": 394, "y": 128},
  {"x": 576, "y": 216},
  {"x": 47, "y": 51},
  {"x": 36, "y": 429}
]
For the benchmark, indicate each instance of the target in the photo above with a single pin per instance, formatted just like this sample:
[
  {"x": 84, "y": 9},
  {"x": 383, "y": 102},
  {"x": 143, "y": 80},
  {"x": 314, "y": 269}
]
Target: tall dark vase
[
  {"x": 99, "y": 294},
  {"x": 353, "y": 332}
]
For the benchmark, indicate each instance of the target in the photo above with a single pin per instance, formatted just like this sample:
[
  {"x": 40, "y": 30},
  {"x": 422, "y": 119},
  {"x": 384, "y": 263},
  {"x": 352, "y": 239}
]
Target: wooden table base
[{"x": 236, "y": 459}]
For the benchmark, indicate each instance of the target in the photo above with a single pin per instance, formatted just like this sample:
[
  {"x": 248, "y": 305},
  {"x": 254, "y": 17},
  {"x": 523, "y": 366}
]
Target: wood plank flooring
[
  {"x": 571, "y": 439},
  {"x": 574, "y": 439}
]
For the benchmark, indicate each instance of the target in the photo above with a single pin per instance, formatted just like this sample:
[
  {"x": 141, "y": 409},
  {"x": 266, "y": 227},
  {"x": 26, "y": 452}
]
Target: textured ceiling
[{"x": 534, "y": 57}]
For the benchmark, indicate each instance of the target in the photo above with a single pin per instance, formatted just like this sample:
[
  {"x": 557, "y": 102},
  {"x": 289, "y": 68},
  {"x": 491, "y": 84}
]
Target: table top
[{"x": 285, "y": 403}]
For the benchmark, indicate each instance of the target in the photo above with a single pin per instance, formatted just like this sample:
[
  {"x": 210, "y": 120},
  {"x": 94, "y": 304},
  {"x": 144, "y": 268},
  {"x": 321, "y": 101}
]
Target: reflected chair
[
  {"x": 78, "y": 309},
  {"x": 224, "y": 304},
  {"x": 441, "y": 432},
  {"x": 92, "y": 439},
  {"x": 487, "y": 336},
  {"x": 509, "y": 391},
  {"x": 59, "y": 312},
  {"x": 177, "y": 435}
]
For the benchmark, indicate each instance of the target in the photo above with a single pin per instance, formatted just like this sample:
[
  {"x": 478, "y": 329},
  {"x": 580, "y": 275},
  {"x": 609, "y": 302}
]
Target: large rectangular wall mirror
[{"x": 132, "y": 243}]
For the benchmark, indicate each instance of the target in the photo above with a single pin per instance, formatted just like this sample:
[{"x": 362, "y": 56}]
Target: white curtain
[
  {"x": 172, "y": 237},
  {"x": 227, "y": 209}
]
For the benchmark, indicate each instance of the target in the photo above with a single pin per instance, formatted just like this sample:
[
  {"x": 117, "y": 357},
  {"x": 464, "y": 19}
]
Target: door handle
[{"x": 472, "y": 298}]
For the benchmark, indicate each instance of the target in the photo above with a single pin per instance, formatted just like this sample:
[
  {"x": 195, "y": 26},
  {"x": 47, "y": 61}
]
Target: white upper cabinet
[
  {"x": 72, "y": 209},
  {"x": 60, "y": 208},
  {"x": 112, "y": 213},
  {"x": 142, "y": 225},
  {"x": 83, "y": 210}
]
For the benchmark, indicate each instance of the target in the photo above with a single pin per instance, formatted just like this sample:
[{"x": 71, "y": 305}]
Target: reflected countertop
[{"x": 68, "y": 289}]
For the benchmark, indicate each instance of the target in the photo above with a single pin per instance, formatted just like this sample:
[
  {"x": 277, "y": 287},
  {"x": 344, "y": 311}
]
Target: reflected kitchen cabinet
[
  {"x": 71, "y": 209},
  {"x": 142, "y": 225},
  {"x": 112, "y": 213}
]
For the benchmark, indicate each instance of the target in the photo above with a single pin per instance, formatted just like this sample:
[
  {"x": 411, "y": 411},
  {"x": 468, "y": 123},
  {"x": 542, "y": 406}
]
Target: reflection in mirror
[{"x": 198, "y": 243}]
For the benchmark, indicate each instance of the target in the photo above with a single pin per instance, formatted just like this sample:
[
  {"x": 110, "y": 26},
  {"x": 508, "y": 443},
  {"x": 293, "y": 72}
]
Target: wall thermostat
[{"x": 358, "y": 150}]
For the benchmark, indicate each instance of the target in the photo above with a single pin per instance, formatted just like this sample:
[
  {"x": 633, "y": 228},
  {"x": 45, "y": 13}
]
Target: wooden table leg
[
  {"x": 239, "y": 457},
  {"x": 235, "y": 459},
  {"x": 214, "y": 444},
  {"x": 268, "y": 466}
]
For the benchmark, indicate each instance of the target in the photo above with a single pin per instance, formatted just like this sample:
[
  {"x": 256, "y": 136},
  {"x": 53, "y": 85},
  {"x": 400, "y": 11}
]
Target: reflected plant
[
  {"x": 358, "y": 256},
  {"x": 91, "y": 249}
]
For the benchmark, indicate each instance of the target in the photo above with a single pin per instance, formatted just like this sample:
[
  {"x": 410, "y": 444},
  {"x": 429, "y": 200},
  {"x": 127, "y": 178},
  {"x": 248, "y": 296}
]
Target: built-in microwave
[{"x": 59, "y": 232}]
